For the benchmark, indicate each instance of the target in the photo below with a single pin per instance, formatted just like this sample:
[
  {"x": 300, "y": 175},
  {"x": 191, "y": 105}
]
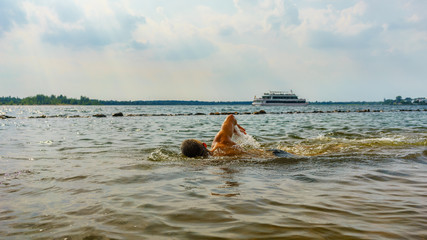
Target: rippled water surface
[{"x": 352, "y": 176}]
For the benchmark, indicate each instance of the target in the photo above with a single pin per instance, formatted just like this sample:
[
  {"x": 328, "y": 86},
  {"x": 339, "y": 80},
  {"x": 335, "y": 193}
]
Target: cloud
[
  {"x": 189, "y": 49},
  {"x": 244, "y": 5},
  {"x": 348, "y": 21},
  {"x": 11, "y": 13},
  {"x": 67, "y": 11},
  {"x": 331, "y": 40},
  {"x": 285, "y": 14},
  {"x": 226, "y": 31},
  {"x": 174, "y": 40},
  {"x": 115, "y": 25},
  {"x": 138, "y": 46}
]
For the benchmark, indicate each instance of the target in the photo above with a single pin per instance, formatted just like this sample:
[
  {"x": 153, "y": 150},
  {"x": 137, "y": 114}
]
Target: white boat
[{"x": 279, "y": 98}]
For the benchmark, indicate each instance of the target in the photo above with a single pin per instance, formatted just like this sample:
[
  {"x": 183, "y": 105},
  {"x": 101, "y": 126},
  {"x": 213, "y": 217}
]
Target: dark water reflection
[{"x": 353, "y": 176}]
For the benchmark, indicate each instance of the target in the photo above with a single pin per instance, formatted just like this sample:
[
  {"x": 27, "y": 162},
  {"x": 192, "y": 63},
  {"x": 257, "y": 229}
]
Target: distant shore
[{"x": 63, "y": 100}]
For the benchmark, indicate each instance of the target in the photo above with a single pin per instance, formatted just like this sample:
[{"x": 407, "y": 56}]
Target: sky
[{"x": 222, "y": 50}]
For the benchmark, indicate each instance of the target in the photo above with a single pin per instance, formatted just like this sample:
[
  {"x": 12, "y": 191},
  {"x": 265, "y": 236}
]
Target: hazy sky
[{"x": 214, "y": 50}]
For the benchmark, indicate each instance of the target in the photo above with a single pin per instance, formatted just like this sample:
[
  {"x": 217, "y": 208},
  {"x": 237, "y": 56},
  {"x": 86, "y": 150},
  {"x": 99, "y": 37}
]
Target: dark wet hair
[{"x": 193, "y": 148}]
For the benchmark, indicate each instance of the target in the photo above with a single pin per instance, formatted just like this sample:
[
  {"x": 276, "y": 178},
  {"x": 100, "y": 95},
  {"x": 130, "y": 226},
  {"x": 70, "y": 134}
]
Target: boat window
[
  {"x": 285, "y": 102},
  {"x": 291, "y": 97}
]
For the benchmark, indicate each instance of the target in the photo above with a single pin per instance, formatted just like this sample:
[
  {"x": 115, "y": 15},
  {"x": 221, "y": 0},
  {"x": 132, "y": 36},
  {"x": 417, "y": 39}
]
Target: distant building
[{"x": 420, "y": 100}]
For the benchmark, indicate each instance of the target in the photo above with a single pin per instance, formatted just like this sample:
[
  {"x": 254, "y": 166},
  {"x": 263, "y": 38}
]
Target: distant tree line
[
  {"x": 63, "y": 100},
  {"x": 406, "y": 101},
  {"x": 344, "y": 103},
  {"x": 172, "y": 102},
  {"x": 48, "y": 100},
  {"x": 398, "y": 101}
]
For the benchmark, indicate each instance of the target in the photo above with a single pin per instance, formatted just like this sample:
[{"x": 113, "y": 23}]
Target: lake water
[{"x": 353, "y": 175}]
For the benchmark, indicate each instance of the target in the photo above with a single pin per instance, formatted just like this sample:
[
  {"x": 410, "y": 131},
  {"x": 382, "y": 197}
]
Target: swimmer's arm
[
  {"x": 227, "y": 128},
  {"x": 228, "y": 125}
]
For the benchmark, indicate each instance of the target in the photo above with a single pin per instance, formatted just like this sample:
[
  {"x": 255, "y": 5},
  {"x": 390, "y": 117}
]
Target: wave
[{"x": 321, "y": 145}]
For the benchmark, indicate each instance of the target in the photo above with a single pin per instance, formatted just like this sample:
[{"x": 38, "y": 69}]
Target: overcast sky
[{"x": 216, "y": 50}]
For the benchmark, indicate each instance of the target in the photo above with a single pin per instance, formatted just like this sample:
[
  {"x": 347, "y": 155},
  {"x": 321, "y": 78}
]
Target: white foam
[
  {"x": 385, "y": 139},
  {"x": 244, "y": 140},
  {"x": 157, "y": 155}
]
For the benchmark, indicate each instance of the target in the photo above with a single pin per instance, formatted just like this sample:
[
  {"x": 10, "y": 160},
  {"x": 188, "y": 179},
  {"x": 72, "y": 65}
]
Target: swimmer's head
[{"x": 194, "y": 148}]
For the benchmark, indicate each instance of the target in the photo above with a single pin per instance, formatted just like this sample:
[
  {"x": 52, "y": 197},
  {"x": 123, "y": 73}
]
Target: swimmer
[{"x": 222, "y": 145}]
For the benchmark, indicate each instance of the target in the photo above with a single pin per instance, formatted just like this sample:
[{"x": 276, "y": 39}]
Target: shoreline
[
  {"x": 205, "y": 103},
  {"x": 61, "y": 100}
]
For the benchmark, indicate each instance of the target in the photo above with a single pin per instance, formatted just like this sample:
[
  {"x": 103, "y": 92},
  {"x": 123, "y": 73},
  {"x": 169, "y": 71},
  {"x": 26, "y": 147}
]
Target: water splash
[
  {"x": 163, "y": 155},
  {"x": 245, "y": 140},
  {"x": 158, "y": 155}
]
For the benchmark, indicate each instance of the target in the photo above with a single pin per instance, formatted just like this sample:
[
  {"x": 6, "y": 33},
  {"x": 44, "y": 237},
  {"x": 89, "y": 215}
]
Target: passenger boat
[{"x": 279, "y": 98}]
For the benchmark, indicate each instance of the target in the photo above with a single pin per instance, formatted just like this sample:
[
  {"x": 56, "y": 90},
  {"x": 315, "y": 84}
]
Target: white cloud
[
  {"x": 338, "y": 25},
  {"x": 414, "y": 18},
  {"x": 45, "y": 17},
  {"x": 173, "y": 41},
  {"x": 91, "y": 24},
  {"x": 349, "y": 21},
  {"x": 11, "y": 14}
]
